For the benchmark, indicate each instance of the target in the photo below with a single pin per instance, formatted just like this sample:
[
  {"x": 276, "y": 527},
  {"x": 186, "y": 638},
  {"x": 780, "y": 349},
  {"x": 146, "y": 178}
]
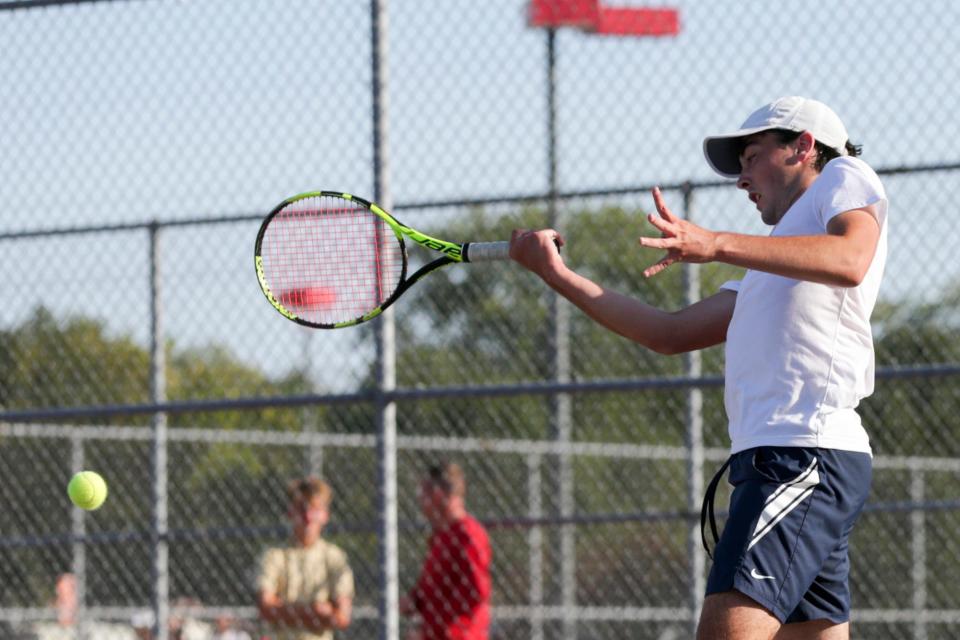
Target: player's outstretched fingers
[
  {"x": 662, "y": 207},
  {"x": 653, "y": 270},
  {"x": 664, "y": 226},
  {"x": 666, "y": 242}
]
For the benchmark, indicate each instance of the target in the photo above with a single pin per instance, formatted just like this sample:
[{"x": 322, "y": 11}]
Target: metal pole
[
  {"x": 694, "y": 436},
  {"x": 79, "y": 561},
  {"x": 562, "y": 423},
  {"x": 386, "y": 349},
  {"x": 310, "y": 415},
  {"x": 535, "y": 544},
  {"x": 158, "y": 394},
  {"x": 918, "y": 552}
]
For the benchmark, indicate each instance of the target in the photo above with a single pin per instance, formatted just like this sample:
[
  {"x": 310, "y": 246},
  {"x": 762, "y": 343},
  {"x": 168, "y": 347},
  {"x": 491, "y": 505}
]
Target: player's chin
[{"x": 770, "y": 216}]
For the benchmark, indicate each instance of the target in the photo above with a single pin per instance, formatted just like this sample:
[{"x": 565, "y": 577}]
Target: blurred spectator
[
  {"x": 183, "y": 625},
  {"x": 143, "y": 625},
  {"x": 69, "y": 621},
  {"x": 452, "y": 594},
  {"x": 305, "y": 590},
  {"x": 227, "y": 630},
  {"x": 66, "y": 599}
]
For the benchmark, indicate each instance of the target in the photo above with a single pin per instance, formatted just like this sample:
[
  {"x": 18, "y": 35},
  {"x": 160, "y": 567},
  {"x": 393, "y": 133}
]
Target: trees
[
  {"x": 470, "y": 325},
  {"x": 45, "y": 362},
  {"x": 491, "y": 325}
]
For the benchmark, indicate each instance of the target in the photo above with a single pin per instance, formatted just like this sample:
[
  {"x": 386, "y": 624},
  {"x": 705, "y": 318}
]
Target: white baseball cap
[{"x": 792, "y": 113}]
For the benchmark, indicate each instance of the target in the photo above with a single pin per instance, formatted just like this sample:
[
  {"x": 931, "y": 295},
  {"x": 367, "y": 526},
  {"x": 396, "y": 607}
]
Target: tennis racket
[{"x": 329, "y": 260}]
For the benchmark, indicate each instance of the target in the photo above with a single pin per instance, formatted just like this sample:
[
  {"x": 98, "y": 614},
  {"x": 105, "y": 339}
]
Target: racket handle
[{"x": 486, "y": 251}]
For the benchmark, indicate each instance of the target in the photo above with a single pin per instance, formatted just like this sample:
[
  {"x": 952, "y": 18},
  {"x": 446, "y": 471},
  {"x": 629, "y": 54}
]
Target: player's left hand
[{"x": 683, "y": 240}]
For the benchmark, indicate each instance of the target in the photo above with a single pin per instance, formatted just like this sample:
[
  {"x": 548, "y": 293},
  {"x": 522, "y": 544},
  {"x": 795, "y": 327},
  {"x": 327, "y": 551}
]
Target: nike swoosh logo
[{"x": 757, "y": 576}]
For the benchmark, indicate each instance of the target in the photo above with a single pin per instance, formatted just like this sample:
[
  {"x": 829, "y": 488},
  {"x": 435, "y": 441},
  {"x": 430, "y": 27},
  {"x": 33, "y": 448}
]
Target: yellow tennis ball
[{"x": 87, "y": 490}]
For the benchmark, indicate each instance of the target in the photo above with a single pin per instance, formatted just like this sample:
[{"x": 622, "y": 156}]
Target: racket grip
[{"x": 486, "y": 251}]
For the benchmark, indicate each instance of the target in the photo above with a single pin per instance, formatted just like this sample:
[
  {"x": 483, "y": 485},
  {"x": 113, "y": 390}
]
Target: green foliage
[
  {"x": 468, "y": 325},
  {"x": 916, "y": 415},
  {"x": 45, "y": 362},
  {"x": 75, "y": 362},
  {"x": 477, "y": 325}
]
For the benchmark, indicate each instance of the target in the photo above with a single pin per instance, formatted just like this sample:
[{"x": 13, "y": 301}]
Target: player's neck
[
  {"x": 307, "y": 541},
  {"x": 449, "y": 518},
  {"x": 456, "y": 513},
  {"x": 800, "y": 185}
]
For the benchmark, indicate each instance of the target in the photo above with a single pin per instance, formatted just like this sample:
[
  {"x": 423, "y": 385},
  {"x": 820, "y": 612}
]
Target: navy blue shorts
[{"x": 785, "y": 543}]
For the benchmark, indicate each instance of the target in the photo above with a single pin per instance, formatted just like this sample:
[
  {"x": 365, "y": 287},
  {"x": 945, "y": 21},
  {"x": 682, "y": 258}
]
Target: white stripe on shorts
[{"x": 785, "y": 499}]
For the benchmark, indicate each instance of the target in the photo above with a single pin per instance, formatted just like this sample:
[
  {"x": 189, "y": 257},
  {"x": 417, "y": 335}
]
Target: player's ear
[{"x": 805, "y": 144}]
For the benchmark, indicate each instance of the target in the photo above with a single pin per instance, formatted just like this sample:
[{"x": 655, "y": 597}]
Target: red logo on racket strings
[{"x": 308, "y": 298}]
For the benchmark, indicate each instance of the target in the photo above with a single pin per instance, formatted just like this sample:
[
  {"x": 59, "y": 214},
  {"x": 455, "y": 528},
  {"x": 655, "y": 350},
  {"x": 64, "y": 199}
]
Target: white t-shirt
[{"x": 799, "y": 355}]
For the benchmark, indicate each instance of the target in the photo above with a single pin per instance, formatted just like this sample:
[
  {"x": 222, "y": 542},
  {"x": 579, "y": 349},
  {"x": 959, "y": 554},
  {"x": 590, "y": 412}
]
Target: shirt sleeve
[
  {"x": 340, "y": 575},
  {"x": 731, "y": 285},
  {"x": 848, "y": 184},
  {"x": 271, "y": 567}
]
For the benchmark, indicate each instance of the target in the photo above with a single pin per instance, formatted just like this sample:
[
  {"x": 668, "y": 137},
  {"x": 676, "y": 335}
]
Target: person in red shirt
[{"x": 452, "y": 594}]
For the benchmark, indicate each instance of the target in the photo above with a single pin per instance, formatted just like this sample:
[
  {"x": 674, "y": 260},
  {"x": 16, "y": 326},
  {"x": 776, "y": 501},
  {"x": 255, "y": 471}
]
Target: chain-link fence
[{"x": 140, "y": 144}]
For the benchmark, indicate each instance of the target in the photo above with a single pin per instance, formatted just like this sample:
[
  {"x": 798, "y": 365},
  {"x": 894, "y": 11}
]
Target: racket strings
[{"x": 329, "y": 260}]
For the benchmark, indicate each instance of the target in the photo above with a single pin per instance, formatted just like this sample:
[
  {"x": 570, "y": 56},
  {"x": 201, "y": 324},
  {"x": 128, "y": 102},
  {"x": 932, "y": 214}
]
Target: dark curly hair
[{"x": 824, "y": 153}]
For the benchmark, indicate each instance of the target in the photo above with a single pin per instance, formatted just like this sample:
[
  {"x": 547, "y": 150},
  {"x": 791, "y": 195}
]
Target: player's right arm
[{"x": 698, "y": 326}]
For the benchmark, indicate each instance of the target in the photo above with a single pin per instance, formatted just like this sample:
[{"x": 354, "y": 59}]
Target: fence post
[
  {"x": 918, "y": 552},
  {"x": 561, "y": 410},
  {"x": 310, "y": 414},
  {"x": 158, "y": 394},
  {"x": 692, "y": 364},
  {"x": 79, "y": 529},
  {"x": 386, "y": 348},
  {"x": 535, "y": 544}
]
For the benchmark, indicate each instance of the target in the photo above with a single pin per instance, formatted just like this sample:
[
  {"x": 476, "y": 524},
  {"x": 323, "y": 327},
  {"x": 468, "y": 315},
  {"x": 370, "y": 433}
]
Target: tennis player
[{"x": 799, "y": 358}]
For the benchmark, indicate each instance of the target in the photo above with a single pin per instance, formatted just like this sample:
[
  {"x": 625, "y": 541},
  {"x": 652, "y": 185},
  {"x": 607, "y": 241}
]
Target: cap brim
[{"x": 722, "y": 154}]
